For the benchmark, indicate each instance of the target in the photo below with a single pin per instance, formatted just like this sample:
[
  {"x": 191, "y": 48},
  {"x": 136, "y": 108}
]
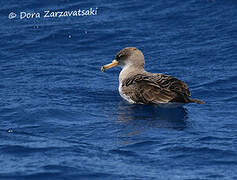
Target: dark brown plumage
[
  {"x": 139, "y": 86},
  {"x": 156, "y": 88}
]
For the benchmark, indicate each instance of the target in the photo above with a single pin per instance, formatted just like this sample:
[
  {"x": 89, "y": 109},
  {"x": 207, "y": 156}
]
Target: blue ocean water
[{"x": 61, "y": 118}]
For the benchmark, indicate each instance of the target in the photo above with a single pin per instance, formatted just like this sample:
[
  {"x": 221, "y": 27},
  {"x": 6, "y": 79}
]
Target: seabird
[{"x": 137, "y": 86}]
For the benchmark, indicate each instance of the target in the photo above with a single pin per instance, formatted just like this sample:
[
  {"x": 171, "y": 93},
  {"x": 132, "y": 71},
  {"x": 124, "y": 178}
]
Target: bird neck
[{"x": 130, "y": 70}]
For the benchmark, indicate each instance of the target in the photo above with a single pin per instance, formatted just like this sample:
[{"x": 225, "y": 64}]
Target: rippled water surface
[{"x": 61, "y": 118}]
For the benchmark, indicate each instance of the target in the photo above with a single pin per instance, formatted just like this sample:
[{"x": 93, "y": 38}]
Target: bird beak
[{"x": 110, "y": 65}]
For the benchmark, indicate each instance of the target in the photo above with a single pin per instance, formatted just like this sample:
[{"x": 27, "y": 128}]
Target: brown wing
[{"x": 155, "y": 88}]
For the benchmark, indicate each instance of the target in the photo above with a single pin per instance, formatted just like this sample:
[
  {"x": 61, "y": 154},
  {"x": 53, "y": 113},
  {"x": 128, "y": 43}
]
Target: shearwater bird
[{"x": 137, "y": 86}]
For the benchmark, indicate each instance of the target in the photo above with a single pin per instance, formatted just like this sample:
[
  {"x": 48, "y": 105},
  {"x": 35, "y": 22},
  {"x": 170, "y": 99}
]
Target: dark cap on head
[{"x": 130, "y": 55}]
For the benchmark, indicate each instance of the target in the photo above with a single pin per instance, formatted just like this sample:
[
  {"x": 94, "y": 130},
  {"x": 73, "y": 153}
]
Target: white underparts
[
  {"x": 124, "y": 96},
  {"x": 125, "y": 69}
]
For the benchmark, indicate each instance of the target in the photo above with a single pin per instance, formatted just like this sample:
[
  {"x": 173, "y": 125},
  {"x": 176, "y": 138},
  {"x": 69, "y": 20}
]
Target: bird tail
[{"x": 196, "y": 101}]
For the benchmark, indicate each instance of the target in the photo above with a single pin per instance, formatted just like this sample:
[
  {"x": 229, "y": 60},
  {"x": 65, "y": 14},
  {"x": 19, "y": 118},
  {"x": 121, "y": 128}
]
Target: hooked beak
[{"x": 110, "y": 65}]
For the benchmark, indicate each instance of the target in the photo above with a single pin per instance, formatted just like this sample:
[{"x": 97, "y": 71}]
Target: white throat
[{"x": 125, "y": 71}]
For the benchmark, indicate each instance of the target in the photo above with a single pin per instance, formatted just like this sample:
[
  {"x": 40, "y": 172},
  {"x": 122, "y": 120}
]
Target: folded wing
[{"x": 155, "y": 88}]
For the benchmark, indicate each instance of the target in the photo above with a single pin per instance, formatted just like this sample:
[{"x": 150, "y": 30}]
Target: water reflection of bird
[
  {"x": 135, "y": 119},
  {"x": 138, "y": 86},
  {"x": 151, "y": 116}
]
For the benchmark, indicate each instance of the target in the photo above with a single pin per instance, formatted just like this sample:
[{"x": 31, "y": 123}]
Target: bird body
[{"x": 138, "y": 86}]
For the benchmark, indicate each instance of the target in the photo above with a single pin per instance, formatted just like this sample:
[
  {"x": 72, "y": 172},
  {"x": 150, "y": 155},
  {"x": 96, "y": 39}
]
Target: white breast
[{"x": 124, "y": 96}]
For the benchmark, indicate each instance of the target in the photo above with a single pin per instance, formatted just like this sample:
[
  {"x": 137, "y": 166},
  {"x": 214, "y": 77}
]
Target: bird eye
[{"x": 119, "y": 56}]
